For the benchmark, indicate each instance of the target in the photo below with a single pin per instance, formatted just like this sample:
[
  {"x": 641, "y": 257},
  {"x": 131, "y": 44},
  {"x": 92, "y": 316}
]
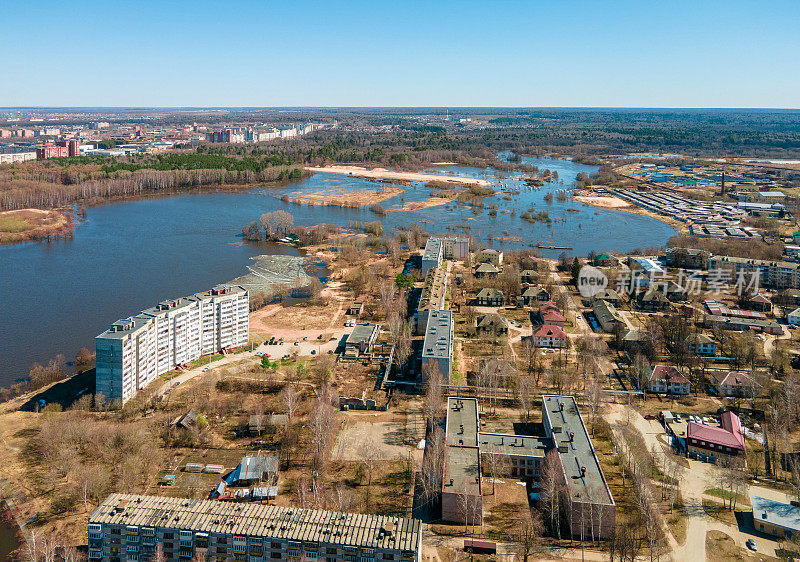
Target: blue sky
[{"x": 703, "y": 53}]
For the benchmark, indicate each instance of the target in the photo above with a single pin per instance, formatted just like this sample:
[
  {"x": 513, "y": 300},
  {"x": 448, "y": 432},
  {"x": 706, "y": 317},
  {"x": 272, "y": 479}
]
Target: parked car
[
  {"x": 650, "y": 417},
  {"x": 206, "y": 369},
  {"x": 751, "y": 544}
]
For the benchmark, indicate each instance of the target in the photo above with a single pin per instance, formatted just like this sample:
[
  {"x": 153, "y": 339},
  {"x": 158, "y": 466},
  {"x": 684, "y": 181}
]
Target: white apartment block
[{"x": 135, "y": 351}]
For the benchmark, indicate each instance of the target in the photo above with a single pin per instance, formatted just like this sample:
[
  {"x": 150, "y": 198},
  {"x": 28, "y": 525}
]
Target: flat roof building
[
  {"x": 775, "y": 518},
  {"x": 221, "y": 530},
  {"x": 591, "y": 505},
  {"x": 361, "y": 339},
  {"x": 438, "y": 343}
]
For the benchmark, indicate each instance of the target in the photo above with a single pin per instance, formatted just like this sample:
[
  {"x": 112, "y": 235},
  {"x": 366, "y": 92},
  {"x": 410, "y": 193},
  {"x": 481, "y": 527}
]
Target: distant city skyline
[{"x": 712, "y": 54}]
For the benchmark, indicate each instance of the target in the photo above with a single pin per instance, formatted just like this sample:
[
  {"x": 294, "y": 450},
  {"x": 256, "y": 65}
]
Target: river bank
[
  {"x": 383, "y": 173},
  {"x": 24, "y": 225}
]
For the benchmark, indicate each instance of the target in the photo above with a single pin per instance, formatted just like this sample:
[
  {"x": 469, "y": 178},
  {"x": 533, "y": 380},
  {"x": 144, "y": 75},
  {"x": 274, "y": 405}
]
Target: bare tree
[
  {"x": 432, "y": 402},
  {"x": 552, "y": 486},
  {"x": 529, "y": 531},
  {"x": 289, "y": 398}
]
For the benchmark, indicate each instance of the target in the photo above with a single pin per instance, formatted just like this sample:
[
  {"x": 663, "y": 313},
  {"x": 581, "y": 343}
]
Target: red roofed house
[
  {"x": 550, "y": 336},
  {"x": 725, "y": 443},
  {"x": 549, "y": 314},
  {"x": 667, "y": 379},
  {"x": 735, "y": 383}
]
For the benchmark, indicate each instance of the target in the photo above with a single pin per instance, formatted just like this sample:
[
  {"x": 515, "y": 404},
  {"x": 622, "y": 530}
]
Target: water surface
[{"x": 127, "y": 256}]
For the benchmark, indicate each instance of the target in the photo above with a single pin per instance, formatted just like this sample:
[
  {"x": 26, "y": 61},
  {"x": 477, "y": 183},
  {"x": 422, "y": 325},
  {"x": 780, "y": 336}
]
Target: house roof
[
  {"x": 699, "y": 339},
  {"x": 490, "y": 293},
  {"x": 654, "y": 295},
  {"x": 552, "y": 316},
  {"x": 486, "y": 268},
  {"x": 776, "y": 513},
  {"x": 533, "y": 292},
  {"x": 734, "y": 378},
  {"x": 729, "y": 435},
  {"x": 550, "y": 331},
  {"x": 760, "y": 298},
  {"x": 607, "y": 294},
  {"x": 635, "y": 335},
  {"x": 253, "y": 468},
  {"x": 669, "y": 373},
  {"x": 492, "y": 320}
]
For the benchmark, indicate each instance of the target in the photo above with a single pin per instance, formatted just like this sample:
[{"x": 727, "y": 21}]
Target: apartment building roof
[
  {"x": 438, "y": 334},
  {"x": 582, "y": 472},
  {"x": 755, "y": 263},
  {"x": 433, "y": 249},
  {"x": 462, "y": 471},
  {"x": 513, "y": 445},
  {"x": 461, "y": 426},
  {"x": 220, "y": 290},
  {"x": 347, "y": 529},
  {"x": 125, "y": 327}
]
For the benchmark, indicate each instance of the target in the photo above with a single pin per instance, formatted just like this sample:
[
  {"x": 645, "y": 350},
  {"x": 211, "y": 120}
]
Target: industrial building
[
  {"x": 135, "y": 351},
  {"x": 127, "y": 527}
]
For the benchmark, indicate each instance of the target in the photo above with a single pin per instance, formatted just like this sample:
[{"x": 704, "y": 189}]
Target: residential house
[
  {"x": 607, "y": 316},
  {"x": 489, "y": 255},
  {"x": 793, "y": 317},
  {"x": 492, "y": 324},
  {"x": 605, "y": 260},
  {"x": 486, "y": 270},
  {"x": 254, "y": 470},
  {"x": 528, "y": 277},
  {"x": 653, "y": 301},
  {"x": 788, "y": 297},
  {"x": 551, "y": 336},
  {"x": 701, "y": 344},
  {"x": 672, "y": 291},
  {"x": 735, "y": 384},
  {"x": 609, "y": 295},
  {"x": 533, "y": 295},
  {"x": 548, "y": 314},
  {"x": 759, "y": 302},
  {"x": 489, "y": 296},
  {"x": 667, "y": 379}
]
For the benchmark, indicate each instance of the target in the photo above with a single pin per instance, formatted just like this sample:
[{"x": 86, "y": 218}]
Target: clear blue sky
[{"x": 699, "y": 53}]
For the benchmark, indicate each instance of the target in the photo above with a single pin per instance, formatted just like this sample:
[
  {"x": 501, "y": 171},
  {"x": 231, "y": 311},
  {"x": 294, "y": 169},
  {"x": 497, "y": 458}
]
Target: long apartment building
[
  {"x": 775, "y": 274},
  {"x": 439, "y": 248},
  {"x": 585, "y": 495},
  {"x": 584, "y": 490},
  {"x": 438, "y": 343},
  {"x": 127, "y": 527},
  {"x": 134, "y": 351}
]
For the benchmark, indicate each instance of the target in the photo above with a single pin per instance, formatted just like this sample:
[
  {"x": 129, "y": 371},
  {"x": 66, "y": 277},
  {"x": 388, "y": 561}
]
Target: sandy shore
[
  {"x": 383, "y": 173},
  {"x": 604, "y": 202},
  {"x": 619, "y": 204}
]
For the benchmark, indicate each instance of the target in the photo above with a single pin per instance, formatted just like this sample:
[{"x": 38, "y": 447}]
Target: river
[{"x": 127, "y": 256}]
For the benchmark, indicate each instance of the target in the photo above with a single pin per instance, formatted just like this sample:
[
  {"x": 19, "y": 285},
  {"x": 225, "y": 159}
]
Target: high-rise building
[{"x": 135, "y": 351}]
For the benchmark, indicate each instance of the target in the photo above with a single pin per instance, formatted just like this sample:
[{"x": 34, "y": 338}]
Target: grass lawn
[
  {"x": 13, "y": 224},
  {"x": 721, "y": 548},
  {"x": 726, "y": 495},
  {"x": 678, "y": 520}
]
